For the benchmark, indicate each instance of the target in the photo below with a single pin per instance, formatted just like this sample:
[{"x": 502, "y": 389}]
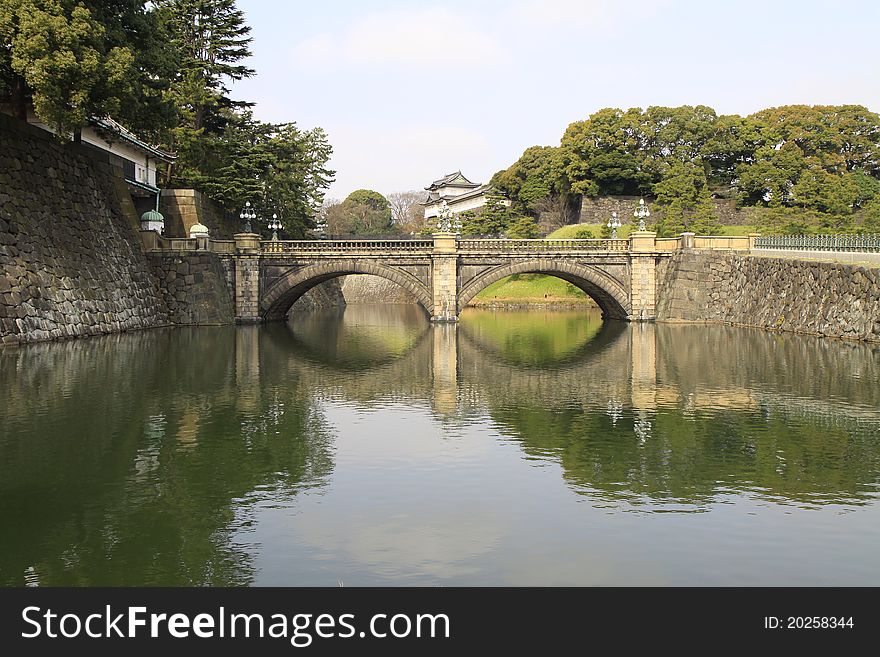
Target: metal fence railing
[{"x": 858, "y": 243}]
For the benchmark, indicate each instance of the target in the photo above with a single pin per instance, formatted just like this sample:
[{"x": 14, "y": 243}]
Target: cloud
[
  {"x": 396, "y": 158},
  {"x": 582, "y": 13},
  {"x": 418, "y": 39}
]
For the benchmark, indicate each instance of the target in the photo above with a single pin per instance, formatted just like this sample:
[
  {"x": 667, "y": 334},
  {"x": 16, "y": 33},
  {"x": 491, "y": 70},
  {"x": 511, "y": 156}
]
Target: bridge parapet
[
  {"x": 645, "y": 242},
  {"x": 153, "y": 241},
  {"x": 348, "y": 247},
  {"x": 528, "y": 246}
]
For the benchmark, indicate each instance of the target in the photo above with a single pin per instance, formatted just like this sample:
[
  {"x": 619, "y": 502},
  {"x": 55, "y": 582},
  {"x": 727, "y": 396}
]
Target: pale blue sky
[{"x": 409, "y": 91}]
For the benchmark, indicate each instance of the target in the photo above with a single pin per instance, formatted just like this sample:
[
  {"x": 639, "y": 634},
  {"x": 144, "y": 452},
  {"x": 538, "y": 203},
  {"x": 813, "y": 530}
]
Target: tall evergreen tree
[
  {"x": 491, "y": 220},
  {"x": 210, "y": 38},
  {"x": 684, "y": 201},
  {"x": 278, "y": 168}
]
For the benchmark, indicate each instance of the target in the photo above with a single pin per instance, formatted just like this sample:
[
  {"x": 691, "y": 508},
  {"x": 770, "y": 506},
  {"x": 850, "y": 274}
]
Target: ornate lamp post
[
  {"x": 321, "y": 228},
  {"x": 641, "y": 214},
  {"x": 247, "y": 215},
  {"x": 445, "y": 222},
  {"x": 275, "y": 225},
  {"x": 613, "y": 224}
]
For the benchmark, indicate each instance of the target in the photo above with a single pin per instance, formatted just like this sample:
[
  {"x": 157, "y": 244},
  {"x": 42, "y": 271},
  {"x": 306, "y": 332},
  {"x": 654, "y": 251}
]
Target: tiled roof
[
  {"x": 455, "y": 179},
  {"x": 113, "y": 126}
]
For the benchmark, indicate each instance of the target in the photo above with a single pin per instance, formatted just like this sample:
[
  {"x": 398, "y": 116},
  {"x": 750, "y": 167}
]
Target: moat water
[{"x": 367, "y": 447}]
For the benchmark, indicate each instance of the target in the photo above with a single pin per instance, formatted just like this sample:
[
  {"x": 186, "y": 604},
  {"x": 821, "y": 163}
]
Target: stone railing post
[
  {"x": 247, "y": 277},
  {"x": 753, "y": 238},
  {"x": 642, "y": 240},
  {"x": 445, "y": 278},
  {"x": 150, "y": 240},
  {"x": 643, "y": 282},
  {"x": 687, "y": 240}
]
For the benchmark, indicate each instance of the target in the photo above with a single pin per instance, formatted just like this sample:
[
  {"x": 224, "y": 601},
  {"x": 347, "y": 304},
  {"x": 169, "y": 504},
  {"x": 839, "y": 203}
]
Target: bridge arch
[
  {"x": 290, "y": 286},
  {"x": 602, "y": 288}
]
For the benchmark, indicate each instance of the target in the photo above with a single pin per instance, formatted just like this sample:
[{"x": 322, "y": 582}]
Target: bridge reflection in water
[
  {"x": 644, "y": 412},
  {"x": 157, "y": 457}
]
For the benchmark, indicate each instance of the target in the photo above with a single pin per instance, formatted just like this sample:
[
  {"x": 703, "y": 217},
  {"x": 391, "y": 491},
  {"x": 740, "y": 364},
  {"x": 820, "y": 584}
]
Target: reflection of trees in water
[
  {"x": 131, "y": 459},
  {"x": 126, "y": 458},
  {"x": 789, "y": 417},
  {"x": 721, "y": 409},
  {"x": 535, "y": 338},
  {"x": 697, "y": 460}
]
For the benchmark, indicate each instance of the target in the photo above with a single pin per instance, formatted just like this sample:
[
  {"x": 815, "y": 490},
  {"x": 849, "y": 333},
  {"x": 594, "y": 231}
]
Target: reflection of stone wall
[
  {"x": 598, "y": 210},
  {"x": 70, "y": 259},
  {"x": 194, "y": 286},
  {"x": 820, "y": 298}
]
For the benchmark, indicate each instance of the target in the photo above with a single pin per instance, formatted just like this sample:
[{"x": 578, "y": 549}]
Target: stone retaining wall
[
  {"x": 374, "y": 289},
  {"x": 598, "y": 210},
  {"x": 326, "y": 295},
  {"x": 70, "y": 260},
  {"x": 819, "y": 298},
  {"x": 194, "y": 287},
  {"x": 184, "y": 208}
]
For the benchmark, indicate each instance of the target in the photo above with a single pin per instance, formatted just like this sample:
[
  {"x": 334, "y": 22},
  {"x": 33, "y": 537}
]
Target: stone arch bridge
[{"x": 444, "y": 272}]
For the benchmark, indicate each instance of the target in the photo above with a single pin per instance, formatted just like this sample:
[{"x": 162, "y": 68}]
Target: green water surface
[{"x": 366, "y": 446}]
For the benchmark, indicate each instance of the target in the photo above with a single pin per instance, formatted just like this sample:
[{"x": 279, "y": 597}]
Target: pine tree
[
  {"x": 491, "y": 220},
  {"x": 278, "y": 168},
  {"x": 210, "y": 38},
  {"x": 521, "y": 226},
  {"x": 684, "y": 201}
]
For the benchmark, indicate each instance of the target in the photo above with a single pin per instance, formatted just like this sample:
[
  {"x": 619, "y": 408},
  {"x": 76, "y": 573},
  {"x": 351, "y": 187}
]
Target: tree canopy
[
  {"x": 821, "y": 163},
  {"x": 363, "y": 212},
  {"x": 163, "y": 68}
]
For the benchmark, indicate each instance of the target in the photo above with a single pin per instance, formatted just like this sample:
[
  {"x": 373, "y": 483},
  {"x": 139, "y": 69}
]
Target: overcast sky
[{"x": 409, "y": 91}]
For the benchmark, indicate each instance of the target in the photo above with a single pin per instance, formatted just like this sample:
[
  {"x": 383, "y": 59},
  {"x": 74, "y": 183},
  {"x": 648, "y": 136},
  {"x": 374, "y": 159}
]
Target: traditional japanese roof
[
  {"x": 455, "y": 179},
  {"x": 116, "y": 128},
  {"x": 434, "y": 197},
  {"x": 477, "y": 191},
  {"x": 136, "y": 184}
]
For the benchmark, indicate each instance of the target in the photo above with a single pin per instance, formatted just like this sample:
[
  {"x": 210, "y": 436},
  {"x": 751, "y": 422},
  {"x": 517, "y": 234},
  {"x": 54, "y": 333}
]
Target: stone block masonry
[
  {"x": 801, "y": 296},
  {"x": 183, "y": 208},
  {"x": 70, "y": 259},
  {"x": 194, "y": 287},
  {"x": 597, "y": 210},
  {"x": 373, "y": 289}
]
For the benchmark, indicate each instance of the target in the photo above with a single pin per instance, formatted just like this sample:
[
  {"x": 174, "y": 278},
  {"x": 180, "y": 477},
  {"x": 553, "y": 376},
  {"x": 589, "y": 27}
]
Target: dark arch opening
[{"x": 292, "y": 285}]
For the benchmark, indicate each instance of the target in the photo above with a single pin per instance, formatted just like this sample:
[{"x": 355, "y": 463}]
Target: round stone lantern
[
  {"x": 153, "y": 220},
  {"x": 198, "y": 230},
  {"x": 200, "y": 233}
]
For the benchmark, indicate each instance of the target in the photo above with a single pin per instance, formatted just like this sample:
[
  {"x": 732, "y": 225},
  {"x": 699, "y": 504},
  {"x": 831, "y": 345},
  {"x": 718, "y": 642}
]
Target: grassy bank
[{"x": 531, "y": 289}]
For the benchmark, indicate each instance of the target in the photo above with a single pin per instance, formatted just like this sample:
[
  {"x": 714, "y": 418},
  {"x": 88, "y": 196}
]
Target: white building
[
  {"x": 459, "y": 193},
  {"x": 140, "y": 160}
]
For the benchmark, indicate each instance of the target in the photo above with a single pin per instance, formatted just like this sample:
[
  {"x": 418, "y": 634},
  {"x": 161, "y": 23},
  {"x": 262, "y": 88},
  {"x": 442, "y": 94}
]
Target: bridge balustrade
[
  {"x": 347, "y": 247},
  {"x": 542, "y": 245}
]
